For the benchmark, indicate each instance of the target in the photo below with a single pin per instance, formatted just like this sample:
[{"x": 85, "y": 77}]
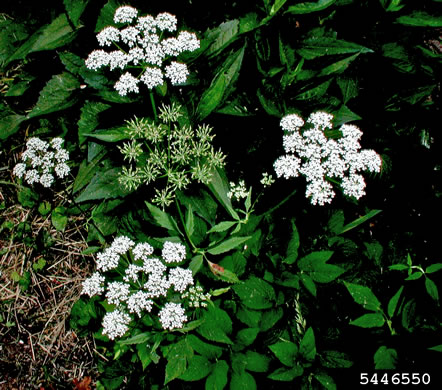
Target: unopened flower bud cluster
[
  {"x": 175, "y": 155},
  {"x": 42, "y": 161},
  {"x": 142, "y": 45},
  {"x": 238, "y": 191},
  {"x": 147, "y": 282},
  {"x": 313, "y": 151}
]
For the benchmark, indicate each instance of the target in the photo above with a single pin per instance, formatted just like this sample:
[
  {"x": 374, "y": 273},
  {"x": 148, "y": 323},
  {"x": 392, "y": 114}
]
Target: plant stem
[
  {"x": 154, "y": 108},
  {"x": 279, "y": 204}
]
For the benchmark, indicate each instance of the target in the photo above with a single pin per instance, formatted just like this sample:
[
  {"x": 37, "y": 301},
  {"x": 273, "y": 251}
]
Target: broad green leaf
[
  {"x": 235, "y": 262},
  {"x": 276, "y": 6},
  {"x": 415, "y": 276},
  {"x": 219, "y": 187},
  {"x": 338, "y": 67},
  {"x": 10, "y": 124},
  {"x": 114, "y": 134},
  {"x": 344, "y": 115},
  {"x": 370, "y": 320},
  {"x": 348, "y": 87},
  {"x": 359, "y": 221},
  {"x": 106, "y": 17},
  {"x": 325, "y": 380},
  {"x": 138, "y": 339},
  {"x": 307, "y": 346},
  {"x": 374, "y": 252},
  {"x": 72, "y": 62},
  {"x": 216, "y": 326},
  {"x": 256, "y": 362},
  {"x": 198, "y": 368},
  {"x": 218, "y": 90},
  {"x": 144, "y": 354},
  {"x": 363, "y": 296},
  {"x": 285, "y": 351},
  {"x": 75, "y": 9},
  {"x": 248, "y": 22},
  {"x": 392, "y": 304},
  {"x": 433, "y": 268},
  {"x": 87, "y": 171},
  {"x": 249, "y": 317},
  {"x": 286, "y": 375},
  {"x": 246, "y": 336},
  {"x": 222, "y": 36},
  {"x": 44, "y": 208},
  {"x": 408, "y": 314},
  {"x": 315, "y": 92},
  {"x": 210, "y": 351},
  {"x": 420, "y": 19},
  {"x": 255, "y": 293},
  {"x": 196, "y": 264},
  {"x": 103, "y": 186},
  {"x": 268, "y": 104},
  {"x": 217, "y": 380},
  {"x": 27, "y": 197},
  {"x": 312, "y": 48},
  {"x": 161, "y": 218},
  {"x": 385, "y": 358},
  {"x": 308, "y": 7},
  {"x": 222, "y": 226},
  {"x": 59, "y": 218},
  {"x": 190, "y": 223},
  {"x": 309, "y": 262},
  {"x": 89, "y": 118},
  {"x": 203, "y": 205},
  {"x": 56, "y": 95},
  {"x": 51, "y": 36},
  {"x": 222, "y": 273},
  {"x": 437, "y": 348},
  {"x": 432, "y": 289},
  {"x": 177, "y": 358},
  {"x": 269, "y": 318},
  {"x": 335, "y": 359},
  {"x": 336, "y": 222},
  {"x": 399, "y": 267},
  {"x": 293, "y": 246},
  {"x": 308, "y": 283},
  {"x": 227, "y": 245},
  {"x": 242, "y": 381}
]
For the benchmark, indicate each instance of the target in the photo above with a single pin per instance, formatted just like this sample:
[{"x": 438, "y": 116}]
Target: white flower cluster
[
  {"x": 238, "y": 191},
  {"x": 41, "y": 160},
  {"x": 146, "y": 49},
  {"x": 146, "y": 281},
  {"x": 313, "y": 153}
]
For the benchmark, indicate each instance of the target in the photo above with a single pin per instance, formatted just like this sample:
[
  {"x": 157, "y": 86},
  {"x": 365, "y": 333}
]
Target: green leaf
[
  {"x": 285, "y": 351},
  {"x": 138, "y": 339},
  {"x": 268, "y": 104},
  {"x": 420, "y": 19},
  {"x": 408, "y": 314},
  {"x": 210, "y": 351},
  {"x": 242, "y": 381},
  {"x": 89, "y": 118},
  {"x": 10, "y": 124},
  {"x": 246, "y": 336},
  {"x": 309, "y": 284},
  {"x": 144, "y": 354},
  {"x": 385, "y": 358},
  {"x": 222, "y": 226},
  {"x": 315, "y": 264},
  {"x": 370, "y": 320},
  {"x": 399, "y": 267},
  {"x": 56, "y": 95},
  {"x": 312, "y": 48},
  {"x": 437, "y": 348},
  {"x": 227, "y": 245},
  {"x": 51, "y": 36},
  {"x": 338, "y": 67},
  {"x": 27, "y": 197},
  {"x": 348, "y": 87},
  {"x": 344, "y": 115},
  {"x": 39, "y": 265},
  {"x": 222, "y": 273},
  {"x": 217, "y": 91},
  {"x": 177, "y": 358},
  {"x": 315, "y": 92},
  {"x": 249, "y": 317},
  {"x": 256, "y": 362},
  {"x": 255, "y": 293},
  {"x": 196, "y": 263},
  {"x": 293, "y": 246},
  {"x": 270, "y": 318},
  {"x": 59, "y": 218},
  {"x": 325, "y": 380},
  {"x": 363, "y": 296},
  {"x": 308, "y": 7},
  {"x": 106, "y": 17},
  {"x": 161, "y": 218},
  {"x": 87, "y": 171},
  {"x": 432, "y": 289},
  {"x": 415, "y": 276},
  {"x": 216, "y": 326},
  {"x": 276, "y": 6},
  {"x": 217, "y": 380},
  {"x": 222, "y": 36},
  {"x": 433, "y": 268},
  {"x": 307, "y": 346},
  {"x": 359, "y": 221},
  {"x": 219, "y": 187},
  {"x": 190, "y": 224},
  {"x": 103, "y": 186},
  {"x": 75, "y": 9},
  {"x": 336, "y": 222},
  {"x": 114, "y": 134},
  {"x": 44, "y": 208},
  {"x": 392, "y": 304},
  {"x": 199, "y": 367},
  {"x": 286, "y": 375},
  {"x": 335, "y": 359}
]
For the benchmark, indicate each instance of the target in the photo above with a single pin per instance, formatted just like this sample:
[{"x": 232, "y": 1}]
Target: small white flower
[
  {"x": 93, "y": 285},
  {"x": 108, "y": 35},
  {"x": 142, "y": 250},
  {"x": 62, "y": 170},
  {"x": 138, "y": 302},
  {"x": 353, "y": 185},
  {"x": 117, "y": 292},
  {"x": 122, "y": 244},
  {"x": 238, "y": 191},
  {"x": 32, "y": 176},
  {"x": 130, "y": 36},
  {"x": 320, "y": 192},
  {"x": 127, "y": 83},
  {"x": 19, "y": 170},
  {"x": 125, "y": 14},
  {"x": 115, "y": 324},
  {"x": 46, "y": 180},
  {"x": 131, "y": 273},
  {"x": 188, "y": 41},
  {"x": 166, "y": 21},
  {"x": 292, "y": 122},
  {"x": 118, "y": 59},
  {"x": 107, "y": 260},
  {"x": 146, "y": 24},
  {"x": 154, "y": 266},
  {"x": 180, "y": 278},
  {"x": 152, "y": 77},
  {"x": 157, "y": 285},
  {"x": 97, "y": 59},
  {"x": 172, "y": 316},
  {"x": 287, "y": 166},
  {"x": 173, "y": 252},
  {"x": 177, "y": 73}
]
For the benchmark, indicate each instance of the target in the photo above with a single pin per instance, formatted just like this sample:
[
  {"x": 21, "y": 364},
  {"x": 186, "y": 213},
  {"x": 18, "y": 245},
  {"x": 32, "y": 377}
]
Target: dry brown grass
[{"x": 37, "y": 348}]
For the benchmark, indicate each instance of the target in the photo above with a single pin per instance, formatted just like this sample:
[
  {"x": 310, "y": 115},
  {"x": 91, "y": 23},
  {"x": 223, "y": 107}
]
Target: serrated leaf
[
  {"x": 276, "y": 6},
  {"x": 59, "y": 219},
  {"x": 344, "y": 115},
  {"x": 308, "y": 7},
  {"x": 242, "y": 381},
  {"x": 210, "y": 351},
  {"x": 216, "y": 326},
  {"x": 399, "y": 267},
  {"x": 256, "y": 293},
  {"x": 315, "y": 92},
  {"x": 433, "y": 268},
  {"x": 106, "y": 17},
  {"x": 420, "y": 19},
  {"x": 325, "y": 380},
  {"x": 432, "y": 289},
  {"x": 222, "y": 226},
  {"x": 285, "y": 351},
  {"x": 227, "y": 245},
  {"x": 370, "y": 320},
  {"x": 335, "y": 359},
  {"x": 190, "y": 224},
  {"x": 10, "y": 124},
  {"x": 222, "y": 273},
  {"x": 408, "y": 314},
  {"x": 392, "y": 304},
  {"x": 198, "y": 368},
  {"x": 246, "y": 336},
  {"x": 315, "y": 264},
  {"x": 196, "y": 263},
  {"x": 286, "y": 375},
  {"x": 56, "y": 95},
  {"x": 177, "y": 358},
  {"x": 308, "y": 283},
  {"x": 338, "y": 67},
  {"x": 161, "y": 218},
  {"x": 102, "y": 186},
  {"x": 114, "y": 134},
  {"x": 336, "y": 222},
  {"x": 363, "y": 296},
  {"x": 256, "y": 362},
  {"x": 87, "y": 171},
  {"x": 385, "y": 358},
  {"x": 293, "y": 246},
  {"x": 217, "y": 380},
  {"x": 269, "y": 318},
  {"x": 219, "y": 187},
  {"x": 88, "y": 121},
  {"x": 359, "y": 221},
  {"x": 307, "y": 346},
  {"x": 138, "y": 339},
  {"x": 75, "y": 9},
  {"x": 348, "y": 87},
  {"x": 316, "y": 47},
  {"x": 222, "y": 36},
  {"x": 415, "y": 276}
]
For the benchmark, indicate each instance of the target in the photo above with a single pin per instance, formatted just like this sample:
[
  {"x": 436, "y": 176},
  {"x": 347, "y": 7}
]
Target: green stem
[
  {"x": 279, "y": 204},
  {"x": 154, "y": 108}
]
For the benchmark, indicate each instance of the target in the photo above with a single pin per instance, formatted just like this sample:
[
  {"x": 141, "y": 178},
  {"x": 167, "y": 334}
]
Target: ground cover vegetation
[{"x": 216, "y": 194}]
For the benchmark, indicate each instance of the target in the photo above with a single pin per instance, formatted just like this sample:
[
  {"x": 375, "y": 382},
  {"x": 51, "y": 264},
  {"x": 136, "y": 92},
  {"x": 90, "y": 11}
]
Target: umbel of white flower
[
  {"x": 146, "y": 282},
  {"x": 41, "y": 161},
  {"x": 324, "y": 156},
  {"x": 142, "y": 45}
]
